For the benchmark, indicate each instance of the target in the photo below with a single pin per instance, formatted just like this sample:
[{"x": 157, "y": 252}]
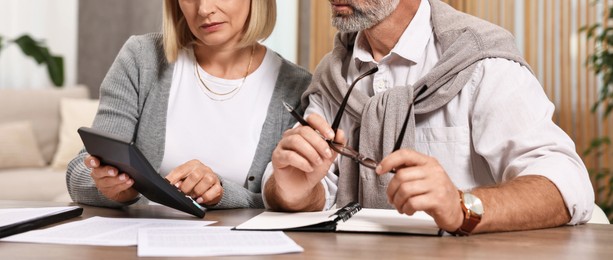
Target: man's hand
[
  {"x": 421, "y": 184},
  {"x": 114, "y": 186},
  {"x": 197, "y": 181},
  {"x": 300, "y": 161}
]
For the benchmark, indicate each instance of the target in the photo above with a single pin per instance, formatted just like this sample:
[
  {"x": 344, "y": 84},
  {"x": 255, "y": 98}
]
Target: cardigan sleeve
[{"x": 117, "y": 114}]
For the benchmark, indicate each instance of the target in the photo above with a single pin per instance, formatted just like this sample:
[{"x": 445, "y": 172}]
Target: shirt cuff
[
  {"x": 265, "y": 177},
  {"x": 575, "y": 189}
]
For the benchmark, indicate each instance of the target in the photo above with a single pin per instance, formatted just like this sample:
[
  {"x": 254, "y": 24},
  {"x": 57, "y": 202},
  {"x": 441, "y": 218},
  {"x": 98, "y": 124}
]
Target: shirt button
[
  {"x": 251, "y": 178},
  {"x": 380, "y": 86}
]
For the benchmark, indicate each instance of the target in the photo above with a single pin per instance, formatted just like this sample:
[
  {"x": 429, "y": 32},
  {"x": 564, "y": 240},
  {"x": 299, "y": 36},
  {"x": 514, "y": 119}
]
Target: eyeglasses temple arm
[
  {"x": 406, "y": 120},
  {"x": 341, "y": 109}
]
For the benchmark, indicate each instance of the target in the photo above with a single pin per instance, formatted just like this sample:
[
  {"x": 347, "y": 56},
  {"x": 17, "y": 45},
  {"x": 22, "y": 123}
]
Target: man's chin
[{"x": 347, "y": 25}]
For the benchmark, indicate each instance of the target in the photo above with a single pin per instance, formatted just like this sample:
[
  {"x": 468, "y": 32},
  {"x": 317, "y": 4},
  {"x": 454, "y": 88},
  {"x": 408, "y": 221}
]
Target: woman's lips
[{"x": 211, "y": 27}]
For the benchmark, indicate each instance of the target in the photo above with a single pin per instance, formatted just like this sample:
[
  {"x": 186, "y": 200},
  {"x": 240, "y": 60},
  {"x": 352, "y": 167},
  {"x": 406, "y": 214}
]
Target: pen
[
  {"x": 340, "y": 148},
  {"x": 301, "y": 120},
  {"x": 291, "y": 110}
]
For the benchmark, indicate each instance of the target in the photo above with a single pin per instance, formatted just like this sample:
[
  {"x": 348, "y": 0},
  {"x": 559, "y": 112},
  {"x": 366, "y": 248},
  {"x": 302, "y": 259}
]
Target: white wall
[
  {"x": 54, "y": 21},
  {"x": 284, "y": 39}
]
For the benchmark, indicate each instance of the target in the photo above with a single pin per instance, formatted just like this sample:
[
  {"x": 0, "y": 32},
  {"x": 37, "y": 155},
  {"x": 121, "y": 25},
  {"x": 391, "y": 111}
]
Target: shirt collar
[{"x": 411, "y": 44}]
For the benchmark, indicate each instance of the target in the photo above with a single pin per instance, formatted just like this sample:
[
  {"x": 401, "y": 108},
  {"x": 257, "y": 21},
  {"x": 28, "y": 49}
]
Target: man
[{"x": 478, "y": 150}]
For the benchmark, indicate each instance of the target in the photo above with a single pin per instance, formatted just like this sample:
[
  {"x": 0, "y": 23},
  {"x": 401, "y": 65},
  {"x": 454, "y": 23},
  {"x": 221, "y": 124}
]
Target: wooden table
[{"x": 590, "y": 241}]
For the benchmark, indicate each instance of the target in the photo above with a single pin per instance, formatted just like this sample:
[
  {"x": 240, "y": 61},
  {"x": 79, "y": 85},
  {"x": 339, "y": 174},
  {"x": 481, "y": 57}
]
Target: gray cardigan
[{"x": 134, "y": 101}]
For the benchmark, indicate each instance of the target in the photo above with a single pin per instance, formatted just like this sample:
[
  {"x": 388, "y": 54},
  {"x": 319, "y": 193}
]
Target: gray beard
[{"x": 364, "y": 17}]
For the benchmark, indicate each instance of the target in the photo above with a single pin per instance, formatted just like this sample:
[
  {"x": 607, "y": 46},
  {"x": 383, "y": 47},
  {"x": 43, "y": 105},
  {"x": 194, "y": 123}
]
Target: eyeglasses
[
  {"x": 348, "y": 151},
  {"x": 338, "y": 147}
]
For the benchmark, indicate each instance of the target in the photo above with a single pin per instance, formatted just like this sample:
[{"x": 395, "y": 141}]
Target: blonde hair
[{"x": 177, "y": 35}]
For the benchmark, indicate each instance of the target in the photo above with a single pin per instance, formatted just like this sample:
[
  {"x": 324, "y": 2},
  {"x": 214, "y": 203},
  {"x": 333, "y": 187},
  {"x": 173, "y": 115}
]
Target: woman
[{"x": 203, "y": 102}]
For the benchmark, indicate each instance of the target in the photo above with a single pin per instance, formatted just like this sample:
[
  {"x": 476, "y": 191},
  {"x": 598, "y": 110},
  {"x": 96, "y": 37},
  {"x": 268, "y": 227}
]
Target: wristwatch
[{"x": 473, "y": 211}]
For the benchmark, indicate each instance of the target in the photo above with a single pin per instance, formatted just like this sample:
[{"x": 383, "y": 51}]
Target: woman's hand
[
  {"x": 114, "y": 186},
  {"x": 197, "y": 181}
]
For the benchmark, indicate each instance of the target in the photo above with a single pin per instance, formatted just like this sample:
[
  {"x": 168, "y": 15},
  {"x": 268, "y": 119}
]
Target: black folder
[
  {"x": 127, "y": 158},
  {"x": 38, "y": 222}
]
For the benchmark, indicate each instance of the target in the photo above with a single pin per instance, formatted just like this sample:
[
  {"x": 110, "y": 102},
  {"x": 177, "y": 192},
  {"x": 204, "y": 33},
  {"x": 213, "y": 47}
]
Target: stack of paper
[
  {"x": 100, "y": 231},
  {"x": 162, "y": 237},
  {"x": 212, "y": 241}
]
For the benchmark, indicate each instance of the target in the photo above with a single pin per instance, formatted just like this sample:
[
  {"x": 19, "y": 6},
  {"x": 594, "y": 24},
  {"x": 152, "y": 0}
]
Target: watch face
[{"x": 473, "y": 203}]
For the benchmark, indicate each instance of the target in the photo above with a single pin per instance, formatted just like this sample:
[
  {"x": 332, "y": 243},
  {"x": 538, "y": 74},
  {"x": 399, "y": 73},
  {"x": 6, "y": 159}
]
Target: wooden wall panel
[
  {"x": 322, "y": 32},
  {"x": 606, "y": 124}
]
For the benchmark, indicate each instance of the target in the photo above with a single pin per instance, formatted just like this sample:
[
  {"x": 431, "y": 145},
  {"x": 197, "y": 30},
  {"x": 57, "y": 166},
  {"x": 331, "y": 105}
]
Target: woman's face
[{"x": 216, "y": 22}]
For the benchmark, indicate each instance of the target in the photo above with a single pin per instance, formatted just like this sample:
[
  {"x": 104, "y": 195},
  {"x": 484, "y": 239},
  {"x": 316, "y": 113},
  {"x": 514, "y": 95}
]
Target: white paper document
[
  {"x": 16, "y": 215},
  {"x": 101, "y": 231},
  {"x": 212, "y": 241}
]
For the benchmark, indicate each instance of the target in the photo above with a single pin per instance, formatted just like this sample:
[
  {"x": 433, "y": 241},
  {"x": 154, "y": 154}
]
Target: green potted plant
[
  {"x": 601, "y": 61},
  {"x": 40, "y": 53}
]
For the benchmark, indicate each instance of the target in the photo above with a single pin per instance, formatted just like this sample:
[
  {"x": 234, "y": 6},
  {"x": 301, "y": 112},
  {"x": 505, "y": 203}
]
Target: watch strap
[{"x": 470, "y": 220}]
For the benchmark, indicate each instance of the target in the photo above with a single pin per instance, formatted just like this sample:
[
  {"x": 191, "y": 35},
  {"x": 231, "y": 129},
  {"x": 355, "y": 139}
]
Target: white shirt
[
  {"x": 221, "y": 134},
  {"x": 497, "y": 128}
]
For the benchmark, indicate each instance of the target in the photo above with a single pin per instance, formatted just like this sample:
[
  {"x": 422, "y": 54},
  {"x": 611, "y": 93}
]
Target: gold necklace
[{"x": 213, "y": 94}]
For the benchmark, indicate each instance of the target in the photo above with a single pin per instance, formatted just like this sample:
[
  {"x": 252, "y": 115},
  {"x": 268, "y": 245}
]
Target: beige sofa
[{"x": 37, "y": 139}]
